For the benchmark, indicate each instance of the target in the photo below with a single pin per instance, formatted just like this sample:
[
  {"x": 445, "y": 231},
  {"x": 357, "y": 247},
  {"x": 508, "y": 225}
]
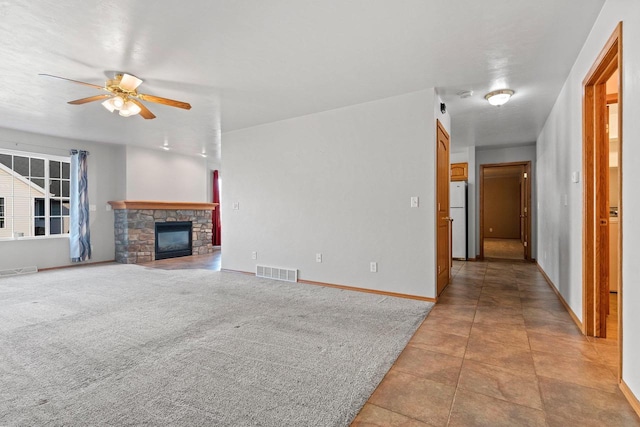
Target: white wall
[
  {"x": 106, "y": 182},
  {"x": 485, "y": 156},
  {"x": 166, "y": 176},
  {"x": 560, "y": 153},
  {"x": 337, "y": 183}
]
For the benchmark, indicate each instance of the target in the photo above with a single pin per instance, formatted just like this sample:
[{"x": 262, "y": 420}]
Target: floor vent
[
  {"x": 285, "y": 274},
  {"x": 18, "y": 271}
]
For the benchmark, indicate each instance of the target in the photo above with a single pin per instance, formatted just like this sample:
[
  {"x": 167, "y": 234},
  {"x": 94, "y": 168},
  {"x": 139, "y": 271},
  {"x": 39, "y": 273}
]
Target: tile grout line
[
  {"x": 455, "y": 393},
  {"x": 535, "y": 370}
]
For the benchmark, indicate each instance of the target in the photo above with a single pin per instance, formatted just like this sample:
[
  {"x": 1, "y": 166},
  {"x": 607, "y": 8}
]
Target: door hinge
[
  {"x": 607, "y": 127},
  {"x": 525, "y": 209},
  {"x": 525, "y": 244},
  {"x": 439, "y": 269},
  {"x": 525, "y": 175}
]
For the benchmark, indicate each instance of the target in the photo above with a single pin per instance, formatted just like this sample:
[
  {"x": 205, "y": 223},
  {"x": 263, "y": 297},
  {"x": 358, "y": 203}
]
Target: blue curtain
[{"x": 79, "y": 237}]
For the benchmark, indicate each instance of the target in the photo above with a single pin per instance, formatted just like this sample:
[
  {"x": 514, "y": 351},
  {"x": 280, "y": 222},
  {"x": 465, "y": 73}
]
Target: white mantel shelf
[{"x": 153, "y": 204}]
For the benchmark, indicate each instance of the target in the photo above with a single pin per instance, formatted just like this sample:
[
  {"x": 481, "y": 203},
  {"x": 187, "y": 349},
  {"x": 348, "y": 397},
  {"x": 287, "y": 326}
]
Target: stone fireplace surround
[{"x": 134, "y": 225}]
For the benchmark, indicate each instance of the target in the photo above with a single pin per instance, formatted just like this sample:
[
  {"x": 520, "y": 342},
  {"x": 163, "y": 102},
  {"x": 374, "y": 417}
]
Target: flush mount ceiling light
[{"x": 499, "y": 97}]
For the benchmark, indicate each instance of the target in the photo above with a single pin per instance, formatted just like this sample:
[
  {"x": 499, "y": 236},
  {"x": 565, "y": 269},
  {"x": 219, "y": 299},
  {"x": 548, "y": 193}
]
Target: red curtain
[{"x": 216, "y": 213}]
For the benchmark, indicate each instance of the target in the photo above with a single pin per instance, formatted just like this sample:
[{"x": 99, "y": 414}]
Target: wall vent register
[{"x": 285, "y": 274}]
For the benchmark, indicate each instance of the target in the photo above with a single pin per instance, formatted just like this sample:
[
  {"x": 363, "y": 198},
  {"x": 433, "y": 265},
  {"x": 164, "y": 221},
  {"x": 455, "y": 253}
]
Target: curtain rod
[{"x": 18, "y": 144}]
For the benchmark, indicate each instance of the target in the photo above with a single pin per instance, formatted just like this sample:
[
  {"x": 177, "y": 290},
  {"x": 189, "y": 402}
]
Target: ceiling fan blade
[
  {"x": 144, "y": 111},
  {"x": 74, "y": 81},
  {"x": 89, "y": 99},
  {"x": 129, "y": 82},
  {"x": 164, "y": 101}
]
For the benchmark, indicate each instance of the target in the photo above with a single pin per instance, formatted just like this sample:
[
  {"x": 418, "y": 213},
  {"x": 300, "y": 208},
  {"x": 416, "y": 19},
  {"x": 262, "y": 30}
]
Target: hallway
[{"x": 499, "y": 349}]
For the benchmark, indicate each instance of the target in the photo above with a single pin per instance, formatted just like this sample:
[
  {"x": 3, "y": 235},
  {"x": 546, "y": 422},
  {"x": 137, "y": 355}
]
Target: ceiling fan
[{"x": 123, "y": 96}]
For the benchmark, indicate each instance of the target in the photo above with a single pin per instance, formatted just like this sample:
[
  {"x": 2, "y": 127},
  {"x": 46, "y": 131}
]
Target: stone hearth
[{"x": 135, "y": 227}]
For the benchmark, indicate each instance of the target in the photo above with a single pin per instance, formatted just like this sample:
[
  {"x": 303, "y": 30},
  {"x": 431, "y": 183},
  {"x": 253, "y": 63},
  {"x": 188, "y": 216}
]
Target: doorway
[
  {"x": 443, "y": 221},
  {"x": 505, "y": 198},
  {"x": 602, "y": 217}
]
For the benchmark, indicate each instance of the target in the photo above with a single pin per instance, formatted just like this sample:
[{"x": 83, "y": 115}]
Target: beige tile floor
[{"x": 499, "y": 349}]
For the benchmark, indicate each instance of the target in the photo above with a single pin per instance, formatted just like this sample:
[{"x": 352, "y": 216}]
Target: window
[{"x": 34, "y": 189}]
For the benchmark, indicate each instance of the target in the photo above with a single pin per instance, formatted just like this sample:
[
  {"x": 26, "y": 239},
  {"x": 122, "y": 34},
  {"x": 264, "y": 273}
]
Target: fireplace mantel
[{"x": 158, "y": 205}]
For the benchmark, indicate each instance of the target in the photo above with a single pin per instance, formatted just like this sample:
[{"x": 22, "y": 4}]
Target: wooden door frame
[
  {"x": 594, "y": 139},
  {"x": 527, "y": 169},
  {"x": 440, "y": 127}
]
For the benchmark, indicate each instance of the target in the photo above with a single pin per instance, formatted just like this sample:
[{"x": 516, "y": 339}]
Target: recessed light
[{"x": 499, "y": 97}]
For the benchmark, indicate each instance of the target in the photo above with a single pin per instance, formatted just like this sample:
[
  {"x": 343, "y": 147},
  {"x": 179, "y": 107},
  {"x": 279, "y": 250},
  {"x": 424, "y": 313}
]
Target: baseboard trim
[
  {"x": 81, "y": 264},
  {"x": 369, "y": 291},
  {"x": 348, "y": 288},
  {"x": 633, "y": 400},
  {"x": 226, "y": 270},
  {"x": 561, "y": 298}
]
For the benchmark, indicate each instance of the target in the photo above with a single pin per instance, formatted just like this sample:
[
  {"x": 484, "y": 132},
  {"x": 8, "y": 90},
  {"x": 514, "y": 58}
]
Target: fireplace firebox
[{"x": 173, "y": 239}]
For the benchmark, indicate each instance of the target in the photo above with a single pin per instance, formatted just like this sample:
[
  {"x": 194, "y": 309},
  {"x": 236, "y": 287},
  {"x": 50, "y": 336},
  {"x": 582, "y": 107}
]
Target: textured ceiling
[{"x": 243, "y": 63}]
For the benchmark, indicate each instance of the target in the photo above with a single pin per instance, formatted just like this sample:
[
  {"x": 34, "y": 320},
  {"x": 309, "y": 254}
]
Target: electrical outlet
[
  {"x": 318, "y": 257},
  {"x": 236, "y": 206},
  {"x": 373, "y": 267},
  {"x": 254, "y": 255}
]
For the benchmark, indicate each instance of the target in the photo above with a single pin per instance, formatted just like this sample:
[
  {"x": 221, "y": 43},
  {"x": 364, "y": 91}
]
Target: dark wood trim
[
  {"x": 527, "y": 168},
  {"x": 153, "y": 204},
  {"x": 575, "y": 318},
  {"x": 440, "y": 286},
  {"x": 595, "y": 149},
  {"x": 481, "y": 214}
]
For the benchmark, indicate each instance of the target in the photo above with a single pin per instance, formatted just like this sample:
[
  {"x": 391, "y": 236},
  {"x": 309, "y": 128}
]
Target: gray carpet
[{"x": 128, "y": 345}]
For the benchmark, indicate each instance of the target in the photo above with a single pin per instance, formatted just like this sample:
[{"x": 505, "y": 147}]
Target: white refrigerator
[{"x": 458, "y": 212}]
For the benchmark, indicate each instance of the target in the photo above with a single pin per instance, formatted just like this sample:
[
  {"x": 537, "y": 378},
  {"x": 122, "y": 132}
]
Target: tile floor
[{"x": 499, "y": 349}]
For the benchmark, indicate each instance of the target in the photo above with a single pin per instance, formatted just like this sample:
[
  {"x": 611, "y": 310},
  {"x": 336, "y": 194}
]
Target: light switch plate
[
  {"x": 415, "y": 201},
  {"x": 236, "y": 206}
]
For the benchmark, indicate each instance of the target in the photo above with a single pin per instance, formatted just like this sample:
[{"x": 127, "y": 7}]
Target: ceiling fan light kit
[
  {"x": 124, "y": 97},
  {"x": 499, "y": 97}
]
